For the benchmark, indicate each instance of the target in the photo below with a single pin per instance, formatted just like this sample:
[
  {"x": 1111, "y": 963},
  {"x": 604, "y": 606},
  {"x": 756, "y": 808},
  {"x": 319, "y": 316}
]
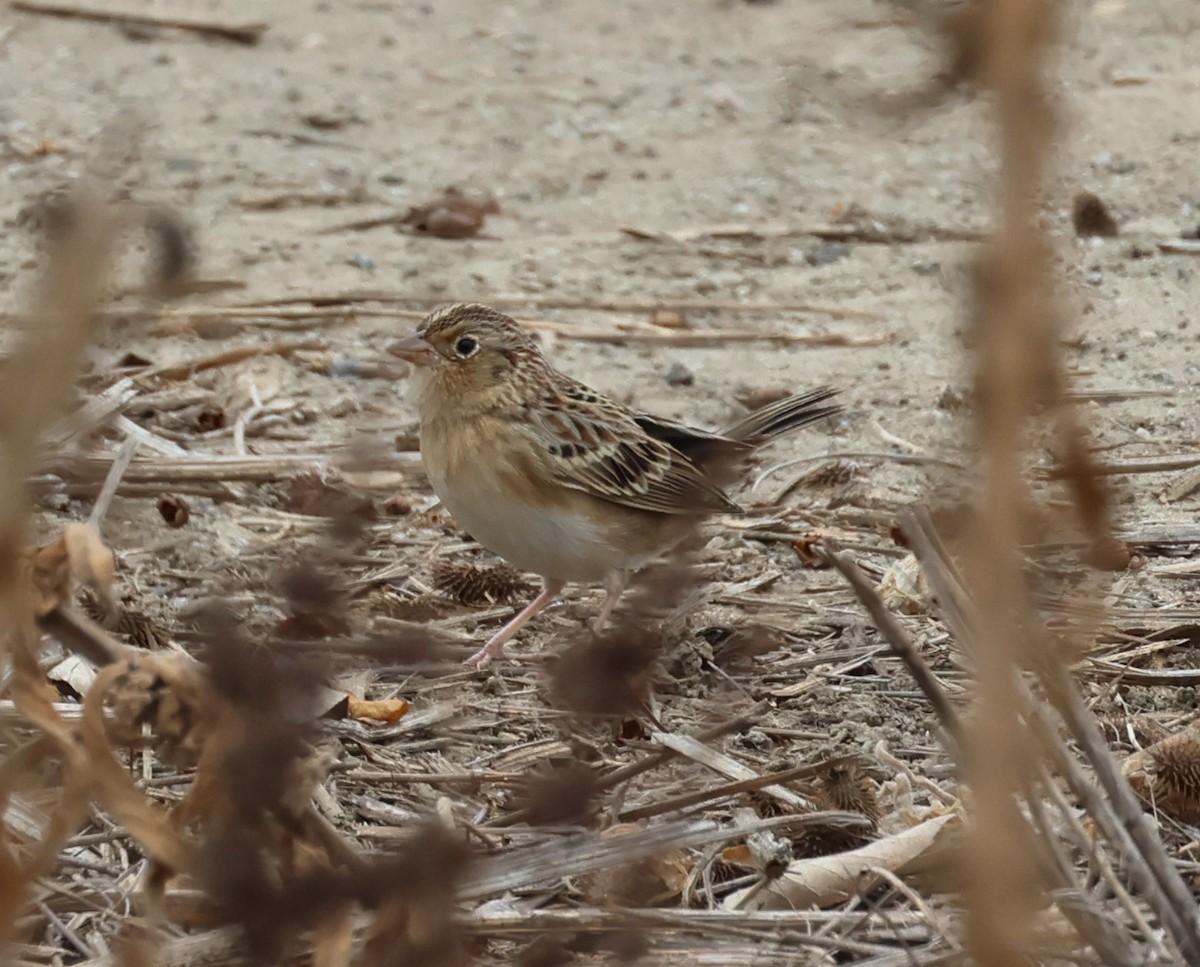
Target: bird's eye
[{"x": 466, "y": 345}]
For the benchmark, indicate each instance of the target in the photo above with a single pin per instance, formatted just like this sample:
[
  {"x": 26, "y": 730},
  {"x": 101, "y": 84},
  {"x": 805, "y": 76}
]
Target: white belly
[{"x": 554, "y": 543}]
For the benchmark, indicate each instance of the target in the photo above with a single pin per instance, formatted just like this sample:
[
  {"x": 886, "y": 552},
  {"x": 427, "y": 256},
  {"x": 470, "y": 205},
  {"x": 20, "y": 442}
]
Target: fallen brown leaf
[
  {"x": 452, "y": 214},
  {"x": 77, "y": 557},
  {"x": 379, "y": 710}
]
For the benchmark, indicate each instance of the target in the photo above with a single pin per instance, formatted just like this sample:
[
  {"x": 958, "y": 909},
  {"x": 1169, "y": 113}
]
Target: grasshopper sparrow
[{"x": 552, "y": 476}]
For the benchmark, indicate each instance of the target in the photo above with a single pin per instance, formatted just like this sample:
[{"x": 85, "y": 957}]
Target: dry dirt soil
[{"x": 614, "y": 137}]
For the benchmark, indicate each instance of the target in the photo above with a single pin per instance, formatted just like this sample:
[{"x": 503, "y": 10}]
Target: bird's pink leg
[
  {"x": 495, "y": 646},
  {"x": 614, "y": 587}
]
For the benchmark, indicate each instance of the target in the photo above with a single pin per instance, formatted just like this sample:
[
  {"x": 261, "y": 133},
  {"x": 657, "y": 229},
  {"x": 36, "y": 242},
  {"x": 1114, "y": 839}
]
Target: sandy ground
[{"x": 583, "y": 120}]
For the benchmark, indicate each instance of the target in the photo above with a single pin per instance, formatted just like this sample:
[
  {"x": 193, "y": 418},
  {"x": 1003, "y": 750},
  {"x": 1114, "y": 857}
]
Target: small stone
[
  {"x": 1091, "y": 216},
  {"x": 1120, "y": 165},
  {"x": 951, "y": 399},
  {"x": 754, "y": 397},
  {"x": 680, "y": 375},
  {"x": 58, "y": 502},
  {"x": 345, "y": 367},
  {"x": 670, "y": 319},
  {"x": 364, "y": 262},
  {"x": 827, "y": 253},
  {"x": 139, "y": 33},
  {"x": 397, "y": 506}
]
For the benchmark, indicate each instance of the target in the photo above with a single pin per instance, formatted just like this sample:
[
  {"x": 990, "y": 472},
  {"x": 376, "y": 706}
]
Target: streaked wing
[
  {"x": 721, "y": 456},
  {"x": 595, "y": 445},
  {"x": 699, "y": 446}
]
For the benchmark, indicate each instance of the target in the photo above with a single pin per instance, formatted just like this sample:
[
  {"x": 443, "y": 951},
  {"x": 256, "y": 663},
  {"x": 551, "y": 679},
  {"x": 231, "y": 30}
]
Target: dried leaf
[
  {"x": 451, "y": 214},
  {"x": 829, "y": 880},
  {"x": 808, "y": 549},
  {"x": 739, "y": 854},
  {"x": 76, "y": 673},
  {"x": 92, "y": 564},
  {"x": 333, "y": 939},
  {"x": 903, "y": 587},
  {"x": 78, "y": 556},
  {"x": 379, "y": 710}
]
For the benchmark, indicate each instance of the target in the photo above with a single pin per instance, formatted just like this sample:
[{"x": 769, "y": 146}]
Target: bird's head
[{"x": 466, "y": 355}]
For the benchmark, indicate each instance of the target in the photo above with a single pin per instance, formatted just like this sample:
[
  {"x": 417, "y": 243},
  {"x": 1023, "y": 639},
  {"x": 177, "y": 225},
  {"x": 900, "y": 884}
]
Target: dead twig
[
  {"x": 119, "y": 466},
  {"x": 227, "y": 357},
  {"x": 687, "y": 800},
  {"x": 868, "y": 230},
  {"x": 242, "y": 33},
  {"x": 902, "y": 645},
  {"x": 1167, "y": 893},
  {"x": 217, "y": 469},
  {"x": 617, "y": 777},
  {"x": 502, "y": 301}
]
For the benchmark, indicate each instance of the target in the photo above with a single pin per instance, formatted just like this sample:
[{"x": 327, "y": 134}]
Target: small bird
[{"x": 554, "y": 477}]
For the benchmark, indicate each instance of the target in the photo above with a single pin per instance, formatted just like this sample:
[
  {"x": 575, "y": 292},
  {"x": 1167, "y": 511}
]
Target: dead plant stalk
[{"x": 1015, "y": 347}]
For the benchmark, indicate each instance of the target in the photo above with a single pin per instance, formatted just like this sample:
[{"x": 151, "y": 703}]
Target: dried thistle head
[
  {"x": 1130, "y": 731},
  {"x": 1174, "y": 780},
  {"x": 316, "y": 604},
  {"x": 834, "y": 473},
  {"x": 608, "y": 675},
  {"x": 555, "y": 793},
  {"x": 472, "y": 585},
  {"x": 134, "y": 624},
  {"x": 845, "y": 787},
  {"x": 611, "y": 674},
  {"x": 171, "y": 694}
]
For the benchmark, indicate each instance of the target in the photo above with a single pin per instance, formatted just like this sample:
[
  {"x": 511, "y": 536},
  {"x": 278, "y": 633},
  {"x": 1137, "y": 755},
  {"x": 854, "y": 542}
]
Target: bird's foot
[{"x": 483, "y": 657}]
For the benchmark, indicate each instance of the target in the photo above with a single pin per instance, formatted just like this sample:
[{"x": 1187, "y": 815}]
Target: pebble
[
  {"x": 680, "y": 375},
  {"x": 827, "y": 253}
]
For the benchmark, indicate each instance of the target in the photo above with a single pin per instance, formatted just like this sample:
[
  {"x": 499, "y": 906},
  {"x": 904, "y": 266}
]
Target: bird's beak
[{"x": 416, "y": 350}]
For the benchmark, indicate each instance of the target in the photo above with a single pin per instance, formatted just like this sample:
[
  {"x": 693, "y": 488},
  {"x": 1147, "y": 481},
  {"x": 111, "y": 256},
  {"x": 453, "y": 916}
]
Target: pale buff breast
[{"x": 536, "y": 525}]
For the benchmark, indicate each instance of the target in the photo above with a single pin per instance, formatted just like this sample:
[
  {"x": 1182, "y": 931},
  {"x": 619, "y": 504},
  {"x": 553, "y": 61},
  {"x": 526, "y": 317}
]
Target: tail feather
[
  {"x": 783, "y": 416},
  {"x": 722, "y": 456}
]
